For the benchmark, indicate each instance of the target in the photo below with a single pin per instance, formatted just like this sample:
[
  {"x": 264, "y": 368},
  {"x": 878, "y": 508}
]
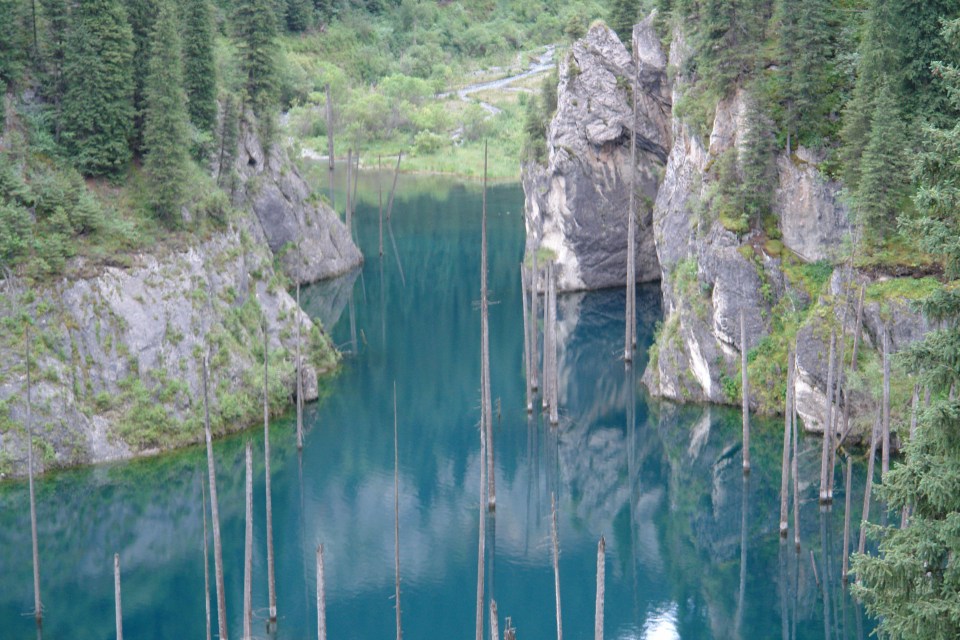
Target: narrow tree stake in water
[
  {"x": 380, "y": 202},
  {"x": 866, "y": 494},
  {"x": 534, "y": 321},
  {"x": 885, "y": 454},
  {"x": 396, "y": 511},
  {"x": 271, "y": 582},
  {"x": 785, "y": 465},
  {"x": 248, "y": 548},
  {"x": 37, "y": 604},
  {"x": 494, "y": 623},
  {"x": 299, "y": 367},
  {"x": 745, "y": 395},
  {"x": 118, "y": 607},
  {"x": 206, "y": 561},
  {"x": 631, "y": 314},
  {"x": 348, "y": 215},
  {"x": 321, "y": 597},
  {"x": 554, "y": 355},
  {"x": 827, "y": 424},
  {"x": 330, "y": 159},
  {"x": 601, "y": 570},
  {"x": 481, "y": 555},
  {"x": 214, "y": 512},
  {"x": 527, "y": 359},
  {"x": 794, "y": 473},
  {"x": 487, "y": 409},
  {"x": 846, "y": 523},
  {"x": 393, "y": 189},
  {"x": 556, "y": 562}
]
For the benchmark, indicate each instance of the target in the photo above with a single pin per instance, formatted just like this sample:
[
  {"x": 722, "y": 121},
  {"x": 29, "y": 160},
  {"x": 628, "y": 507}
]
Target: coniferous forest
[{"x": 122, "y": 121}]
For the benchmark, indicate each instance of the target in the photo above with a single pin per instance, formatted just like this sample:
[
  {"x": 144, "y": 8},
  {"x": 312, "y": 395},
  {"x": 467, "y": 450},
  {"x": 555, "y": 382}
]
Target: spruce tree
[
  {"x": 298, "y": 15},
  {"x": 13, "y": 40},
  {"x": 805, "y": 60},
  {"x": 98, "y": 97},
  {"x": 142, "y": 14},
  {"x": 623, "y": 15},
  {"x": 199, "y": 69},
  {"x": 165, "y": 116},
  {"x": 912, "y": 583},
  {"x": 884, "y": 172},
  {"x": 256, "y": 30},
  {"x": 56, "y": 15},
  {"x": 757, "y": 171}
]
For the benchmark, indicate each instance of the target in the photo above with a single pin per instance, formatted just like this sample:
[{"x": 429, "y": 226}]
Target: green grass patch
[{"x": 901, "y": 289}]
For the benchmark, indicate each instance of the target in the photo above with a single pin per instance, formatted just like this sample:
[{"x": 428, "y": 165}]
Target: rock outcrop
[
  {"x": 273, "y": 188},
  {"x": 118, "y": 357},
  {"x": 576, "y": 205}
]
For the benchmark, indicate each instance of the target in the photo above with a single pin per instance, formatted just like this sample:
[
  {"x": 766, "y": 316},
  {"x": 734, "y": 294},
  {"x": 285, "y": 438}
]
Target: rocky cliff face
[
  {"x": 576, "y": 205},
  {"x": 278, "y": 195},
  {"x": 117, "y": 357},
  {"x": 710, "y": 271}
]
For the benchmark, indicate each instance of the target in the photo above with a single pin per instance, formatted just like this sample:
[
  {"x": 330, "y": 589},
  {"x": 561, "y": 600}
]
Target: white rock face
[{"x": 576, "y": 206}]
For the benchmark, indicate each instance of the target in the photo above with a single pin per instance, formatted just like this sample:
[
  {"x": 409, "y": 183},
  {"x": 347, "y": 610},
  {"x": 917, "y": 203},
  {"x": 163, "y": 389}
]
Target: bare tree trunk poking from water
[
  {"x": 509, "y": 633},
  {"x": 745, "y": 394},
  {"x": 794, "y": 472},
  {"x": 348, "y": 215},
  {"x": 834, "y": 442},
  {"x": 248, "y": 548},
  {"x": 631, "y": 313},
  {"x": 874, "y": 436},
  {"x": 356, "y": 179},
  {"x": 393, "y": 189},
  {"x": 118, "y": 607},
  {"x": 827, "y": 424},
  {"x": 785, "y": 464},
  {"x": 380, "y": 201},
  {"x": 601, "y": 570},
  {"x": 321, "y": 597},
  {"x": 396, "y": 512},
  {"x": 885, "y": 454},
  {"x": 330, "y": 159},
  {"x": 37, "y": 604},
  {"x": 545, "y": 377},
  {"x": 481, "y": 546},
  {"x": 742, "y": 592},
  {"x": 206, "y": 560},
  {"x": 526, "y": 338},
  {"x": 534, "y": 321},
  {"x": 846, "y": 522},
  {"x": 858, "y": 330},
  {"x": 487, "y": 408},
  {"x": 299, "y": 367},
  {"x": 271, "y": 582},
  {"x": 214, "y": 512},
  {"x": 556, "y": 562},
  {"x": 554, "y": 355},
  {"x": 494, "y": 622}
]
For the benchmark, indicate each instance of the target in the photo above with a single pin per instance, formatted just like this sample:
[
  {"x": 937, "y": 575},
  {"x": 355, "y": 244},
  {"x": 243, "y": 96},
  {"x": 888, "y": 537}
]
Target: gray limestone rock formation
[
  {"x": 576, "y": 206},
  {"x": 286, "y": 209}
]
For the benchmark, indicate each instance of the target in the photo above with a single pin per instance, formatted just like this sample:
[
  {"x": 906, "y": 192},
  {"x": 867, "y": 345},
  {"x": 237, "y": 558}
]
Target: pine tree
[
  {"x": 98, "y": 98},
  {"x": 142, "y": 14},
  {"x": 199, "y": 69},
  {"x": 298, "y": 15},
  {"x": 884, "y": 172},
  {"x": 256, "y": 29},
  {"x": 13, "y": 40},
  {"x": 165, "y": 116},
  {"x": 623, "y": 15},
  {"x": 756, "y": 155},
  {"x": 911, "y": 584},
  {"x": 56, "y": 14}
]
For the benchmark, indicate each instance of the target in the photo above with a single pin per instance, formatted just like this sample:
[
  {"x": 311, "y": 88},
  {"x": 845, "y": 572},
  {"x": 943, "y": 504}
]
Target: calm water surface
[{"x": 692, "y": 549}]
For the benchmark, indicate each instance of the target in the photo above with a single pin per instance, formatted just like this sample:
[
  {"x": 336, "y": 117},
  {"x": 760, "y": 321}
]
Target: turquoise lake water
[{"x": 692, "y": 549}]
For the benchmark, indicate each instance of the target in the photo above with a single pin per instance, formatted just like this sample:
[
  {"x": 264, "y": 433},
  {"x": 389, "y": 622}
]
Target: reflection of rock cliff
[{"x": 577, "y": 204}]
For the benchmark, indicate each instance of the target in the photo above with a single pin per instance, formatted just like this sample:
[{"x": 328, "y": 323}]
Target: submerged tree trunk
[
  {"x": 527, "y": 359},
  {"x": 601, "y": 571},
  {"x": 321, "y": 597},
  {"x": 745, "y": 395},
  {"x": 118, "y": 607},
  {"x": 271, "y": 581},
  {"x": 556, "y": 562},
  {"x": 37, "y": 604},
  {"x": 215, "y": 514},
  {"x": 206, "y": 561},
  {"x": 330, "y": 159},
  {"x": 785, "y": 464},
  {"x": 248, "y": 548},
  {"x": 487, "y": 408},
  {"x": 866, "y": 494},
  {"x": 396, "y": 512},
  {"x": 828, "y": 421},
  {"x": 481, "y": 550}
]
